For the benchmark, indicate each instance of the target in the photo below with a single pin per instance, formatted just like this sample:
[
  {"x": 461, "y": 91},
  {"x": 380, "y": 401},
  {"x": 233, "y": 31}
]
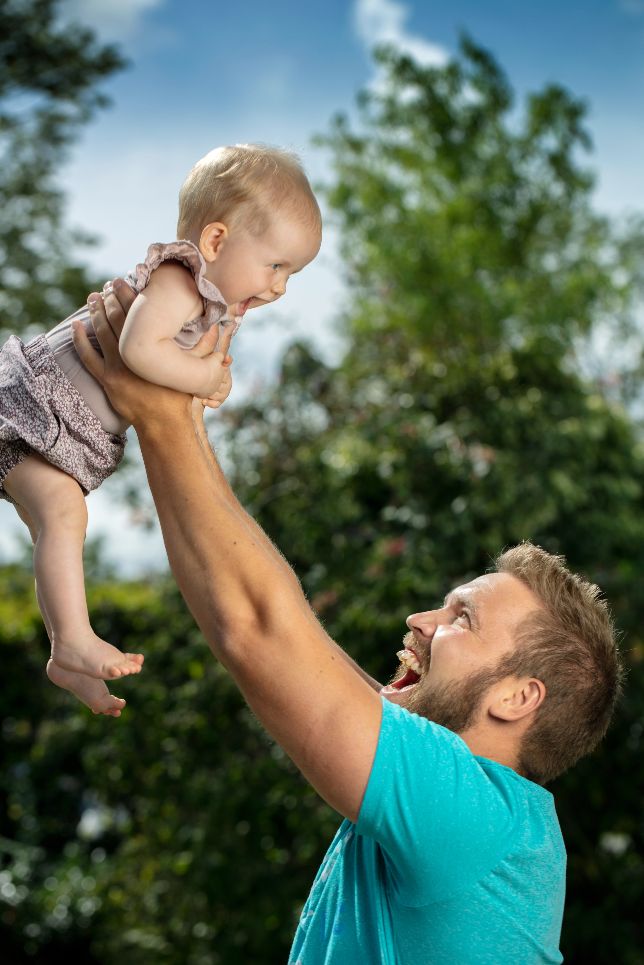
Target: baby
[{"x": 248, "y": 220}]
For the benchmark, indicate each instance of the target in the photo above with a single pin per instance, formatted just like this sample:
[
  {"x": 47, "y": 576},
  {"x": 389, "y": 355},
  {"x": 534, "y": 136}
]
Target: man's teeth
[{"x": 410, "y": 660}]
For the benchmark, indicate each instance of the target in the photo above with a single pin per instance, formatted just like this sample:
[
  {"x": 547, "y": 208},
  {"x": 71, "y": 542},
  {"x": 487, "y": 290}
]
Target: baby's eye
[{"x": 276, "y": 267}]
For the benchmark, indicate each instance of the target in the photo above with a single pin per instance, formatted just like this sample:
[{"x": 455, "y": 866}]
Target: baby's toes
[{"x": 110, "y": 706}]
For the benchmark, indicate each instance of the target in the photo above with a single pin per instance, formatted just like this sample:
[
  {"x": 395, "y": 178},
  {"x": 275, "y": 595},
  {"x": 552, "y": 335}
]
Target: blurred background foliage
[
  {"x": 48, "y": 89},
  {"x": 488, "y": 393}
]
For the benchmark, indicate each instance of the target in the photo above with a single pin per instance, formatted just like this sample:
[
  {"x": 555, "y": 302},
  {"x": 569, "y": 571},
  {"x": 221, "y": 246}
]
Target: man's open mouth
[{"x": 413, "y": 671}]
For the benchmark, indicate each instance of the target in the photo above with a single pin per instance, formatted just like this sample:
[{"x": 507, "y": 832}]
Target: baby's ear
[{"x": 212, "y": 239}]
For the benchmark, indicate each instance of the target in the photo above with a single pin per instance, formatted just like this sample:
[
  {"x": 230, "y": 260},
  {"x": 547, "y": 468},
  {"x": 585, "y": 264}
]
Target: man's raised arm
[{"x": 247, "y": 601}]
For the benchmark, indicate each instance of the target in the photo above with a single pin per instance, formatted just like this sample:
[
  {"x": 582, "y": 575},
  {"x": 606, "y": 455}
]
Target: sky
[{"x": 203, "y": 73}]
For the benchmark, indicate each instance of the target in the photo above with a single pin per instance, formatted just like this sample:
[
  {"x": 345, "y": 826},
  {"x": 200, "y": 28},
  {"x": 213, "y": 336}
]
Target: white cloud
[
  {"x": 383, "y": 22},
  {"x": 111, "y": 19}
]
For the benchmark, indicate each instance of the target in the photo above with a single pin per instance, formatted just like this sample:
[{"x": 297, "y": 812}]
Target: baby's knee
[
  {"x": 61, "y": 508},
  {"x": 65, "y": 510}
]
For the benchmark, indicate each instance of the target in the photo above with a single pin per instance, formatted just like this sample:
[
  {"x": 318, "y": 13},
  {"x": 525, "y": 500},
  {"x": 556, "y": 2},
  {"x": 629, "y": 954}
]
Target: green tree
[
  {"x": 461, "y": 418},
  {"x": 177, "y": 834},
  {"x": 49, "y": 72},
  {"x": 470, "y": 227}
]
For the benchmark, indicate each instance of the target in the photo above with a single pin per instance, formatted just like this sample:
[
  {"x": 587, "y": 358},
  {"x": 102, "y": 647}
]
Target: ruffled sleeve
[{"x": 189, "y": 255}]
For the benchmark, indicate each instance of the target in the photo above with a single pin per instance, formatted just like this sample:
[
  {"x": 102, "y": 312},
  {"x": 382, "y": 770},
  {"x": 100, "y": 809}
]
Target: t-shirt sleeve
[{"x": 439, "y": 819}]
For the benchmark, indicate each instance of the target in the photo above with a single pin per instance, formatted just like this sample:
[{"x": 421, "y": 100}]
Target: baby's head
[{"x": 251, "y": 212}]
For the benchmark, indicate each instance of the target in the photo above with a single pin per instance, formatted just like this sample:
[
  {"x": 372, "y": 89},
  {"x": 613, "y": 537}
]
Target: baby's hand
[
  {"x": 222, "y": 393},
  {"x": 218, "y": 378},
  {"x": 212, "y": 348}
]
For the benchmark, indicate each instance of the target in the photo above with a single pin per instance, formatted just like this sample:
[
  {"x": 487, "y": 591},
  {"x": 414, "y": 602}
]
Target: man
[{"x": 451, "y": 851}]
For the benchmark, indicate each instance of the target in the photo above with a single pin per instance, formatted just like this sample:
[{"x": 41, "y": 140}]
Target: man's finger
[
  {"x": 206, "y": 344},
  {"x": 91, "y": 359},
  {"x": 124, "y": 293},
  {"x": 225, "y": 338},
  {"x": 117, "y": 298},
  {"x": 106, "y": 328}
]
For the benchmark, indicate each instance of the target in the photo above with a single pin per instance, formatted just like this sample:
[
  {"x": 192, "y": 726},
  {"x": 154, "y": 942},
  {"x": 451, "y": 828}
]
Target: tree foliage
[
  {"x": 462, "y": 417},
  {"x": 468, "y": 225},
  {"x": 49, "y": 72},
  {"x": 178, "y": 833}
]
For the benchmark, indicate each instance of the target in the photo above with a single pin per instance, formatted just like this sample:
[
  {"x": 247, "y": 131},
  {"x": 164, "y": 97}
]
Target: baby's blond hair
[{"x": 245, "y": 184}]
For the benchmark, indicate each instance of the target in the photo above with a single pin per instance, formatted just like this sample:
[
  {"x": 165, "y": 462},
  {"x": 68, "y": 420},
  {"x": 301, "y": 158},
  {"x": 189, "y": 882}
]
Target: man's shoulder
[
  {"x": 429, "y": 760},
  {"x": 445, "y": 818},
  {"x": 398, "y": 723},
  {"x": 421, "y": 761}
]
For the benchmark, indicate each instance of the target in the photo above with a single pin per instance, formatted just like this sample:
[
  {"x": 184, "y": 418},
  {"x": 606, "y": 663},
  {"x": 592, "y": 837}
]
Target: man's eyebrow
[{"x": 464, "y": 600}]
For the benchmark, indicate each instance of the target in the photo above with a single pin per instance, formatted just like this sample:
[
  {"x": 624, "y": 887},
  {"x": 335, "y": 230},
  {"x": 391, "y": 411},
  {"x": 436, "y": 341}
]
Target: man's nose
[{"x": 424, "y": 624}]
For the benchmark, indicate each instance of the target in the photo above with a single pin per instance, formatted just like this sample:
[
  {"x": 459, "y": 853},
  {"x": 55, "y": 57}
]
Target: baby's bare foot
[
  {"x": 92, "y": 692},
  {"x": 86, "y": 653}
]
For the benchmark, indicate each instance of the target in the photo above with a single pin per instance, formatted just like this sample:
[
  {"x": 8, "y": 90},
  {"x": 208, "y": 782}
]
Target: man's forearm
[
  {"x": 211, "y": 550},
  {"x": 226, "y": 493},
  {"x": 259, "y": 533}
]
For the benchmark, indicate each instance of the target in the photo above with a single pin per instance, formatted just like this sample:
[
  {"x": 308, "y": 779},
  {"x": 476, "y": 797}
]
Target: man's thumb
[{"x": 207, "y": 342}]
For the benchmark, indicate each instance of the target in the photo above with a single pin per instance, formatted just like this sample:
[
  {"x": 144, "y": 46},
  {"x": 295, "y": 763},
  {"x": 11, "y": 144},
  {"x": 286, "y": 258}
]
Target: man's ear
[
  {"x": 516, "y": 697},
  {"x": 212, "y": 239}
]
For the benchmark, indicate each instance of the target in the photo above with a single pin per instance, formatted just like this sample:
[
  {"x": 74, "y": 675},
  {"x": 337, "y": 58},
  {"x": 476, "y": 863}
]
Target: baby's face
[{"x": 251, "y": 270}]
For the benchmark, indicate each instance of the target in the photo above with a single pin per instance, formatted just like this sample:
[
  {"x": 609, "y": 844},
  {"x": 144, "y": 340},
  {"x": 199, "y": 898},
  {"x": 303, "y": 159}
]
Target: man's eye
[{"x": 464, "y": 616}]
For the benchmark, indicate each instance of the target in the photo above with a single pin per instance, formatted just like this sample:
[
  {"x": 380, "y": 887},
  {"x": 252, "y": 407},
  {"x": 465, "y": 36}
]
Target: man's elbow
[
  {"x": 234, "y": 641},
  {"x": 239, "y": 634}
]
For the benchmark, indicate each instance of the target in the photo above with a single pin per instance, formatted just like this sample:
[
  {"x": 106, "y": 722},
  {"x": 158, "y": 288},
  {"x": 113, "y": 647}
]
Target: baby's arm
[{"x": 147, "y": 343}]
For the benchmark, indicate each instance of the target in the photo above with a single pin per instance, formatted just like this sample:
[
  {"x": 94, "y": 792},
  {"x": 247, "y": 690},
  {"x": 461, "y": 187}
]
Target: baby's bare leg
[
  {"x": 92, "y": 692},
  {"x": 55, "y": 505}
]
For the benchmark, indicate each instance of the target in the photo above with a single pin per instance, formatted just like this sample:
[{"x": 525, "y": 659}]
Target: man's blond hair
[
  {"x": 245, "y": 184},
  {"x": 569, "y": 643}
]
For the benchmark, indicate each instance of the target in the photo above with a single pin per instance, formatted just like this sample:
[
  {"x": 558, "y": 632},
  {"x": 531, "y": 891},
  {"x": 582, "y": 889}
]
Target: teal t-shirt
[{"x": 454, "y": 860}]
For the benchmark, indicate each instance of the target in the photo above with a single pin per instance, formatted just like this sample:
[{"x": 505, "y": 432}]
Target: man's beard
[{"x": 455, "y": 705}]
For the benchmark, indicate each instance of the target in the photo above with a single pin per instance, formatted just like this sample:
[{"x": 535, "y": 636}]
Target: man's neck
[{"x": 495, "y": 743}]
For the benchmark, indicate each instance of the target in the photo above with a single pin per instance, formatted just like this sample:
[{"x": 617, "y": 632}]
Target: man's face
[{"x": 450, "y": 655}]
